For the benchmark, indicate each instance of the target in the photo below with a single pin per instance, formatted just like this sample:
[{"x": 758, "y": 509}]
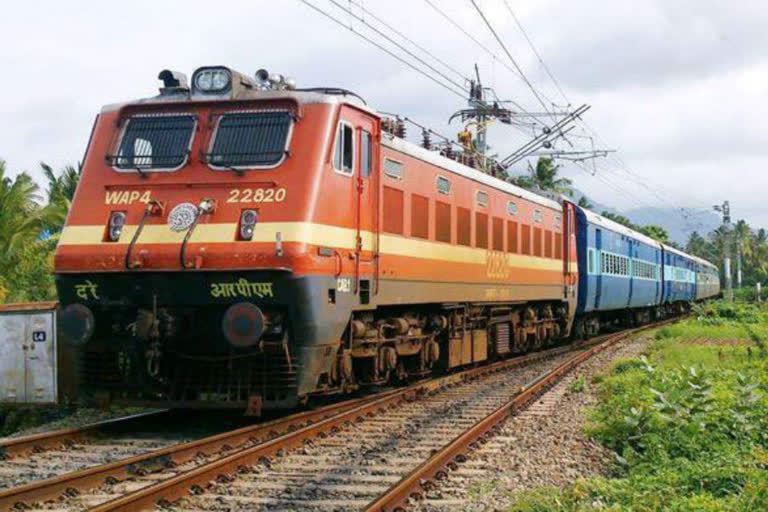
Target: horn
[{"x": 262, "y": 75}]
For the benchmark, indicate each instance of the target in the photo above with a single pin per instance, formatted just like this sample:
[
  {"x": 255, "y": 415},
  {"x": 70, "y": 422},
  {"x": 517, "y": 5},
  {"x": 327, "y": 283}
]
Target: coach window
[
  {"x": 538, "y": 216},
  {"x": 482, "y": 198},
  {"x": 344, "y": 155},
  {"x": 393, "y": 169},
  {"x": 512, "y": 208},
  {"x": 365, "y": 154}
]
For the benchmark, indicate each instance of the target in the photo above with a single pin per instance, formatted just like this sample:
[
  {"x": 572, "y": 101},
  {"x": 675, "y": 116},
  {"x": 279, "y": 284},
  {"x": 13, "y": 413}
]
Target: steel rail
[
  {"x": 448, "y": 458},
  {"x": 37, "y": 443},
  {"x": 308, "y": 423},
  {"x": 195, "y": 481},
  {"x": 168, "y": 457}
]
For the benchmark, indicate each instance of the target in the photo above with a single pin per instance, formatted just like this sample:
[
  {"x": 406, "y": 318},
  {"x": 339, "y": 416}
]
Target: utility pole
[
  {"x": 725, "y": 209},
  {"x": 738, "y": 260}
]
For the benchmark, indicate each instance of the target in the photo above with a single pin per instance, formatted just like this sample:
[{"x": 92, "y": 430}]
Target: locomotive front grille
[{"x": 235, "y": 380}]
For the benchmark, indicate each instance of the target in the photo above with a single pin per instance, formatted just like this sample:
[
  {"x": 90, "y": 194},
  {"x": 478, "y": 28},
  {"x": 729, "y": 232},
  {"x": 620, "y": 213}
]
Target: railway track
[
  {"x": 63, "y": 438},
  {"x": 341, "y": 456},
  {"x": 47, "y": 455}
]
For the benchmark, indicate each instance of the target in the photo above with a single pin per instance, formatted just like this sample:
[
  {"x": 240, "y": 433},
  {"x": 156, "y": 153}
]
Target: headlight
[
  {"x": 247, "y": 223},
  {"x": 116, "y": 224},
  {"x": 212, "y": 79}
]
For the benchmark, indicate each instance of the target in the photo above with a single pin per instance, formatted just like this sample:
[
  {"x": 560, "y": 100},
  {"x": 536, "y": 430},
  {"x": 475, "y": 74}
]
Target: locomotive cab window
[
  {"x": 250, "y": 140},
  {"x": 344, "y": 154},
  {"x": 365, "y": 154},
  {"x": 160, "y": 143}
]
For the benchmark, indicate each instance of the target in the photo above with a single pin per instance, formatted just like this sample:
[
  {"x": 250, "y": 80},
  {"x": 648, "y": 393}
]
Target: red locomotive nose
[{"x": 243, "y": 324}]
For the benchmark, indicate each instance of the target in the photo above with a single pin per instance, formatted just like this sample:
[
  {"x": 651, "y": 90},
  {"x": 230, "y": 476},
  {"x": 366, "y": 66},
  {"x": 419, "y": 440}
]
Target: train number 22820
[{"x": 256, "y": 195}]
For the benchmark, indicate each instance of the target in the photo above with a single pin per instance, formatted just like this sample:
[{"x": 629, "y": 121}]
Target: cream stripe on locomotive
[{"x": 309, "y": 233}]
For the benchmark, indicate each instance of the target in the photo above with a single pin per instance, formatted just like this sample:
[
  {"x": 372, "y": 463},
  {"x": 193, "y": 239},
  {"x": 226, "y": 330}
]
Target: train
[{"x": 238, "y": 241}]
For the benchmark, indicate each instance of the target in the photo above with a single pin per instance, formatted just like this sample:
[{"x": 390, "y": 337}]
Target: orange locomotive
[{"x": 242, "y": 241}]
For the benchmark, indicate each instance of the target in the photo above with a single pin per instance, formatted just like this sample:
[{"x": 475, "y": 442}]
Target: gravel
[{"x": 544, "y": 445}]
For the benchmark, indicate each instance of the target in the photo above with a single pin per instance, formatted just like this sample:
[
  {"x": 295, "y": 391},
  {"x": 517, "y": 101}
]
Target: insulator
[
  {"x": 426, "y": 139},
  {"x": 388, "y": 125},
  {"x": 400, "y": 128}
]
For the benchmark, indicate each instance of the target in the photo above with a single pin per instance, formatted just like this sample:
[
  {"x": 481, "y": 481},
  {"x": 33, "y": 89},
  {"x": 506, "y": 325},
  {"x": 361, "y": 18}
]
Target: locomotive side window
[
  {"x": 155, "y": 143},
  {"x": 365, "y": 154},
  {"x": 443, "y": 185},
  {"x": 482, "y": 198},
  {"x": 344, "y": 154},
  {"x": 393, "y": 169},
  {"x": 250, "y": 139}
]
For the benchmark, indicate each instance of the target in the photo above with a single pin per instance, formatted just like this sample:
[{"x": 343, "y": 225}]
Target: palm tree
[
  {"x": 742, "y": 235},
  {"x": 585, "y": 203},
  {"x": 544, "y": 177},
  {"x": 20, "y": 212},
  {"x": 21, "y": 218},
  {"x": 697, "y": 245},
  {"x": 61, "y": 191}
]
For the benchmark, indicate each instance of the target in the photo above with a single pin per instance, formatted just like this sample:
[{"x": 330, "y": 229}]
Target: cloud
[{"x": 677, "y": 87}]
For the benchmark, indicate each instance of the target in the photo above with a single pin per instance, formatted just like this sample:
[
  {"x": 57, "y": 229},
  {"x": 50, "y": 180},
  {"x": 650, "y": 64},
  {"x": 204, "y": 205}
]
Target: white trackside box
[{"x": 28, "y": 353}]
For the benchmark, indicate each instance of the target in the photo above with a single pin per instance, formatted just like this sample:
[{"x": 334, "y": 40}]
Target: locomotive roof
[
  {"x": 300, "y": 96},
  {"x": 594, "y": 218},
  {"x": 438, "y": 160}
]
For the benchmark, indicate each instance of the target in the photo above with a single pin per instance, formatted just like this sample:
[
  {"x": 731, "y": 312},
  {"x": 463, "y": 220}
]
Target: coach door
[{"x": 367, "y": 185}]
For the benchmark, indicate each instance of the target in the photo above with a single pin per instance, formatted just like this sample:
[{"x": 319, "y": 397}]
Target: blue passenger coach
[
  {"x": 679, "y": 278},
  {"x": 707, "y": 279},
  {"x": 620, "y": 273}
]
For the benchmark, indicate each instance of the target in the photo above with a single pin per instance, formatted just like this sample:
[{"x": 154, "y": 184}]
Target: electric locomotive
[{"x": 241, "y": 242}]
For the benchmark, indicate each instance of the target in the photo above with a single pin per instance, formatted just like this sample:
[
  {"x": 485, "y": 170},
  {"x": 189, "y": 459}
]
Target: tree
[
  {"x": 61, "y": 191},
  {"x": 620, "y": 219},
  {"x": 697, "y": 245},
  {"x": 544, "y": 177},
  {"x": 585, "y": 203},
  {"x": 25, "y": 267},
  {"x": 657, "y": 233}
]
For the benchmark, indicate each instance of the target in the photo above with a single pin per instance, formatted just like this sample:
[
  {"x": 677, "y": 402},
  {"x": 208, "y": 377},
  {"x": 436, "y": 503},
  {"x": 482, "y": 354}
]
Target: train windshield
[
  {"x": 155, "y": 142},
  {"x": 250, "y": 139}
]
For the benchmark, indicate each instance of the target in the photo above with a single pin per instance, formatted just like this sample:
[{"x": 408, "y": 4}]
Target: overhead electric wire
[
  {"x": 401, "y": 47},
  {"x": 462, "y": 94},
  {"x": 414, "y": 43},
  {"x": 536, "y": 52},
  {"x": 509, "y": 54}
]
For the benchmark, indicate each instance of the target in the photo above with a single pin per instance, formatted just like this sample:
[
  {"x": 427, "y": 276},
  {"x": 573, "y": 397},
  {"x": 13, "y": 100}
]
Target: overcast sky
[{"x": 678, "y": 87}]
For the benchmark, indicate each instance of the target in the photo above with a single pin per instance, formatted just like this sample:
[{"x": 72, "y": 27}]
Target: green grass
[{"x": 688, "y": 422}]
